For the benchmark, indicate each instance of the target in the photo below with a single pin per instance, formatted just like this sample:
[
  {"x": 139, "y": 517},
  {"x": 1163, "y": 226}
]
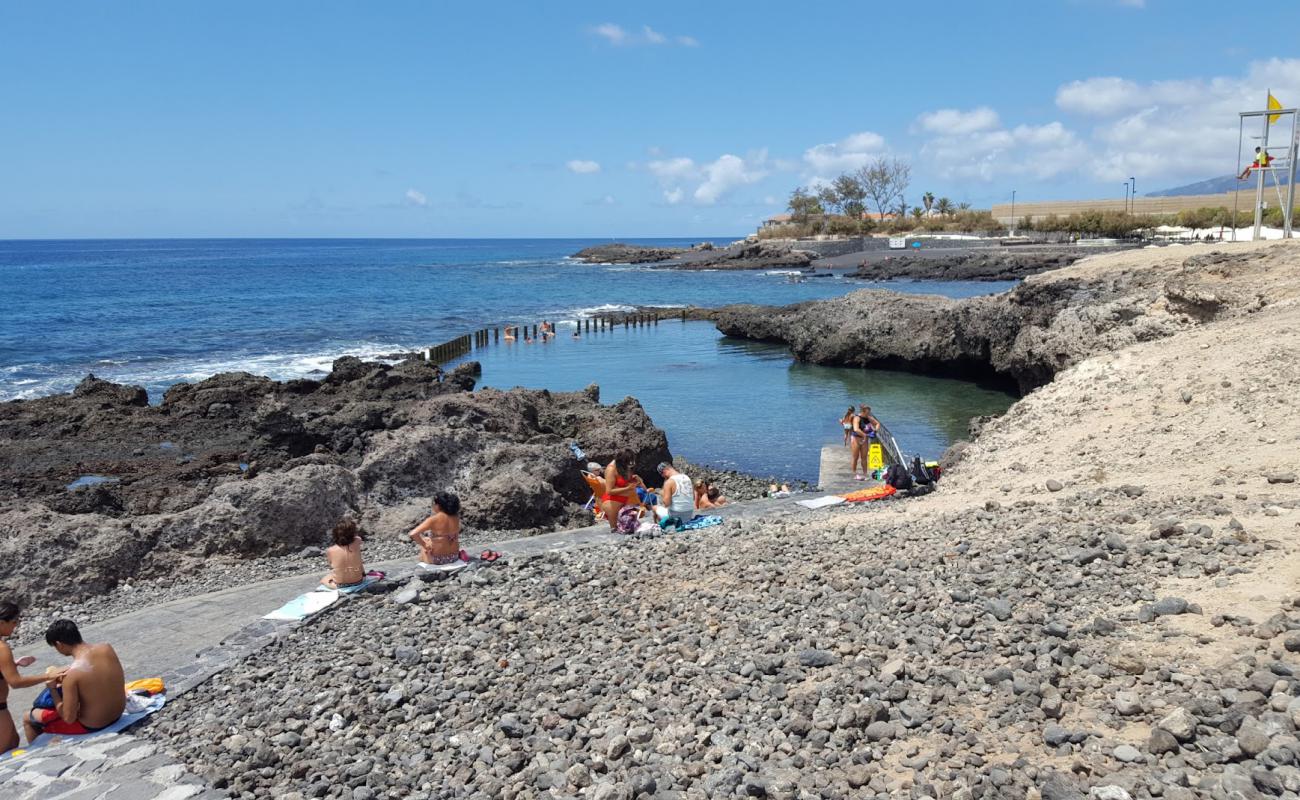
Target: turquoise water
[
  {"x": 739, "y": 404},
  {"x": 156, "y": 312}
]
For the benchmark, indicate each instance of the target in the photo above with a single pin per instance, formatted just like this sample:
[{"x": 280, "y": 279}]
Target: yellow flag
[{"x": 1272, "y": 104}]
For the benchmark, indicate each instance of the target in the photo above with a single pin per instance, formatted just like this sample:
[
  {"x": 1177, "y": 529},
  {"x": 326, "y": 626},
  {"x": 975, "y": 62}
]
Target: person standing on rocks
[
  {"x": 619, "y": 488},
  {"x": 9, "y": 677},
  {"x": 346, "y": 569},
  {"x": 438, "y": 537},
  {"x": 88, "y": 696}
]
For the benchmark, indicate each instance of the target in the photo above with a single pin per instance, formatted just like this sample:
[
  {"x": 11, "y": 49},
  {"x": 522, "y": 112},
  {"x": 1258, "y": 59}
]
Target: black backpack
[
  {"x": 898, "y": 477},
  {"x": 919, "y": 473}
]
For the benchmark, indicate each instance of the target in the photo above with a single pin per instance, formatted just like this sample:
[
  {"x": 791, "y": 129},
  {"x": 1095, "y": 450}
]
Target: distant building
[{"x": 778, "y": 219}]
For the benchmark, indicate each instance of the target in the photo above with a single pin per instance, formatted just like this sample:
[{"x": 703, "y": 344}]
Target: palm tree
[
  {"x": 944, "y": 206},
  {"x": 963, "y": 206},
  {"x": 917, "y": 213},
  {"x": 928, "y": 200}
]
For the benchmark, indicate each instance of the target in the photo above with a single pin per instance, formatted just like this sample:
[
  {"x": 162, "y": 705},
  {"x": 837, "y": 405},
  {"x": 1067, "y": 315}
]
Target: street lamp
[
  {"x": 1134, "y": 192},
  {"x": 1013, "y": 210},
  {"x": 1125, "y": 197}
]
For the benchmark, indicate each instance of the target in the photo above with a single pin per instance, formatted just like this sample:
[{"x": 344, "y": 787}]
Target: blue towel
[
  {"x": 365, "y": 582},
  {"x": 124, "y": 721},
  {"x": 702, "y": 522}
]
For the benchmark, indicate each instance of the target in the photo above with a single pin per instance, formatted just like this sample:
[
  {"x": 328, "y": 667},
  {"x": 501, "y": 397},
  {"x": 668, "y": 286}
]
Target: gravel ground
[{"x": 1002, "y": 653}]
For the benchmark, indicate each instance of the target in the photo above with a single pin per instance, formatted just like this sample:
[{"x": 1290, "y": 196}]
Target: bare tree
[{"x": 884, "y": 181}]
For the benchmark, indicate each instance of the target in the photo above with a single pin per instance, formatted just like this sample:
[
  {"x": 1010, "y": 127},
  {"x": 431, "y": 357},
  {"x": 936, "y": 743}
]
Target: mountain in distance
[{"x": 1225, "y": 183}]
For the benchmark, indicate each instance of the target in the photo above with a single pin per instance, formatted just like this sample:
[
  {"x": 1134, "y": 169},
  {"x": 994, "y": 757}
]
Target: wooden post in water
[{"x": 683, "y": 315}]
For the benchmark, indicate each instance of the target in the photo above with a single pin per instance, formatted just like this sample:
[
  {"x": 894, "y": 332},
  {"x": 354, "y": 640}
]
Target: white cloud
[
  {"x": 607, "y": 200},
  {"x": 619, "y": 36},
  {"x": 849, "y": 153},
  {"x": 727, "y": 173},
  {"x": 951, "y": 121},
  {"x": 614, "y": 34},
  {"x": 1166, "y": 132},
  {"x": 706, "y": 183},
  {"x": 416, "y": 198},
  {"x": 986, "y": 154},
  {"x": 582, "y": 167},
  {"x": 1174, "y": 130}
]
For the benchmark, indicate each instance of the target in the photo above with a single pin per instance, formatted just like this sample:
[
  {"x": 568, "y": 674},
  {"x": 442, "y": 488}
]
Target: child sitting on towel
[
  {"x": 438, "y": 537},
  {"x": 345, "y": 557}
]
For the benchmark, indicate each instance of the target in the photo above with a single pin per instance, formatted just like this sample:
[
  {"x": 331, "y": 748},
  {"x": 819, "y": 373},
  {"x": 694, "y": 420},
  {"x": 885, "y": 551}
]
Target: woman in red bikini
[{"x": 620, "y": 489}]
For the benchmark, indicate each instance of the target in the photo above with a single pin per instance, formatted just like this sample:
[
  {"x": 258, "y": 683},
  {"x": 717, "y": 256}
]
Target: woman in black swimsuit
[{"x": 9, "y": 675}]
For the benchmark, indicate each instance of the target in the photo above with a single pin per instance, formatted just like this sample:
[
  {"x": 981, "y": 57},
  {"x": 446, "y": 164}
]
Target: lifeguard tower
[{"x": 1274, "y": 160}]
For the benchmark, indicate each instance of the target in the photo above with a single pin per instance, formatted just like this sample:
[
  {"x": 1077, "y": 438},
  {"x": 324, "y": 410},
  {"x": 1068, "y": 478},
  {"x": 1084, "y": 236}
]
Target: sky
[{"x": 521, "y": 119}]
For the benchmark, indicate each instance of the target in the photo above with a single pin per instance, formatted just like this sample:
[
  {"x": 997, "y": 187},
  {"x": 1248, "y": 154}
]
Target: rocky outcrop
[
  {"x": 1024, "y": 336},
  {"x": 747, "y": 255},
  {"x": 741, "y": 255},
  {"x": 98, "y": 484},
  {"x": 619, "y": 253},
  {"x": 964, "y": 265}
]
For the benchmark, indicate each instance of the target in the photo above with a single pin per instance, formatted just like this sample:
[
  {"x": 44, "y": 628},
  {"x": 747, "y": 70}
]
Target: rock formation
[
  {"x": 965, "y": 265},
  {"x": 242, "y": 466},
  {"x": 1024, "y": 336}
]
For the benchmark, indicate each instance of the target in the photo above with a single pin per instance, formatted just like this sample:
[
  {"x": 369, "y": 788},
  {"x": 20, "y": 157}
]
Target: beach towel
[
  {"x": 701, "y": 522},
  {"x": 126, "y": 720},
  {"x": 821, "y": 502},
  {"x": 366, "y": 582},
  {"x": 446, "y": 569},
  {"x": 304, "y": 605},
  {"x": 874, "y": 493}
]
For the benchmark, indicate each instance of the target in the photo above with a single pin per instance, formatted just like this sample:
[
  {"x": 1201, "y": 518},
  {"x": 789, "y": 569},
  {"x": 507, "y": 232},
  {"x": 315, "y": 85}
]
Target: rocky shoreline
[
  {"x": 238, "y": 468},
  {"x": 1024, "y": 336},
  {"x": 1083, "y": 610},
  {"x": 741, "y": 255},
  {"x": 984, "y": 264}
]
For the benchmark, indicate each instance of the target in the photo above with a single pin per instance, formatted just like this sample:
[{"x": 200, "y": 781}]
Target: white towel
[{"x": 822, "y": 502}]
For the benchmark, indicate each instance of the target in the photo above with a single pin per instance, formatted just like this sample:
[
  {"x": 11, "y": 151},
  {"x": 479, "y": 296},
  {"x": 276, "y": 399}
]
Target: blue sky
[{"x": 282, "y": 118}]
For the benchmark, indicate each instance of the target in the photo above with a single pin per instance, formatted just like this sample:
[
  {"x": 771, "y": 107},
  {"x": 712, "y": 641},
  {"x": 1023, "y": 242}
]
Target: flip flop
[{"x": 489, "y": 556}]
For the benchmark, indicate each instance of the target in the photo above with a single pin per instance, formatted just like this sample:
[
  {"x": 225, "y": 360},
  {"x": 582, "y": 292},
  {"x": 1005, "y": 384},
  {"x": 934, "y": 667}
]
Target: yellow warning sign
[{"x": 875, "y": 456}]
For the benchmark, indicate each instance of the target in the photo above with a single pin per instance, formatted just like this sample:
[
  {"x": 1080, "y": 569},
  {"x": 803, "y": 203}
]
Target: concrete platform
[{"x": 834, "y": 475}]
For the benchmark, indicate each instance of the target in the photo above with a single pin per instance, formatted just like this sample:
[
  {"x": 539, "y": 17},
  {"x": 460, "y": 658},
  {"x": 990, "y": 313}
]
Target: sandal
[{"x": 489, "y": 556}]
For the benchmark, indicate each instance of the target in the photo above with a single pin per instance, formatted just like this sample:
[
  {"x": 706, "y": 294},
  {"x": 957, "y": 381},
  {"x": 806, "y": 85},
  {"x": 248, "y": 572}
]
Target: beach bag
[
  {"x": 44, "y": 700},
  {"x": 919, "y": 473},
  {"x": 629, "y": 519},
  {"x": 149, "y": 686}
]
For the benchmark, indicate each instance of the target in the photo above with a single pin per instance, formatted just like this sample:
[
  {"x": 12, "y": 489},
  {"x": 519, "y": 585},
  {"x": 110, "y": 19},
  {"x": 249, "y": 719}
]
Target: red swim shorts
[{"x": 51, "y": 722}]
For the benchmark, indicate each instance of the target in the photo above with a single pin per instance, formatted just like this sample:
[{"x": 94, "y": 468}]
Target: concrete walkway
[
  {"x": 834, "y": 475},
  {"x": 189, "y": 640},
  {"x": 176, "y": 639}
]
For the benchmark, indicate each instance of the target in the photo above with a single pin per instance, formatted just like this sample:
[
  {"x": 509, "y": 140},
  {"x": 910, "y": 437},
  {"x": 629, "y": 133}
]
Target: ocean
[{"x": 158, "y": 312}]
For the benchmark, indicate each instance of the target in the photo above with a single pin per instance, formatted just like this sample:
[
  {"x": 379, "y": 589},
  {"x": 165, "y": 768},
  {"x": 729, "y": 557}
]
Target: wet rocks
[{"x": 619, "y": 253}]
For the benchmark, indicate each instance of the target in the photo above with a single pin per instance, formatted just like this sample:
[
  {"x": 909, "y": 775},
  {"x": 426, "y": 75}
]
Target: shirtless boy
[{"x": 88, "y": 696}]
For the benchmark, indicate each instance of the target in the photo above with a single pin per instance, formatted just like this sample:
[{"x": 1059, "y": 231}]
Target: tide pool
[{"x": 739, "y": 404}]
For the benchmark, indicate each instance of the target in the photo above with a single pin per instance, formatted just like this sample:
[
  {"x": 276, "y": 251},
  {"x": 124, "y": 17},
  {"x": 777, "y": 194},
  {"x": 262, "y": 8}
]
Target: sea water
[{"x": 157, "y": 312}]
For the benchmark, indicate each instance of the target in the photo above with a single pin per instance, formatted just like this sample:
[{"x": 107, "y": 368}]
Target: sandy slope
[{"x": 1210, "y": 411}]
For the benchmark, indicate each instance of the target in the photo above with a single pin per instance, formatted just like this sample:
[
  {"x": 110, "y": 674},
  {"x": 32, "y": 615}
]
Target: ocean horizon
[{"x": 156, "y": 312}]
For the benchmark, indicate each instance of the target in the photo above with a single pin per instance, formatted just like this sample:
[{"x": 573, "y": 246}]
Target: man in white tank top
[{"x": 677, "y": 496}]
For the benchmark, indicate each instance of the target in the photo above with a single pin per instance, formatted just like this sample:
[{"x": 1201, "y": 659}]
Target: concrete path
[
  {"x": 175, "y": 639},
  {"x": 189, "y": 640},
  {"x": 834, "y": 475}
]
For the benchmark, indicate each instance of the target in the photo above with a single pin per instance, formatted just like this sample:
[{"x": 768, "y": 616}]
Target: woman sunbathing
[
  {"x": 438, "y": 537},
  {"x": 620, "y": 489},
  {"x": 344, "y": 556}
]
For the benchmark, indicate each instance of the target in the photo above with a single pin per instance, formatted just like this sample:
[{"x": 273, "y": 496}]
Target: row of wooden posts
[{"x": 461, "y": 345}]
